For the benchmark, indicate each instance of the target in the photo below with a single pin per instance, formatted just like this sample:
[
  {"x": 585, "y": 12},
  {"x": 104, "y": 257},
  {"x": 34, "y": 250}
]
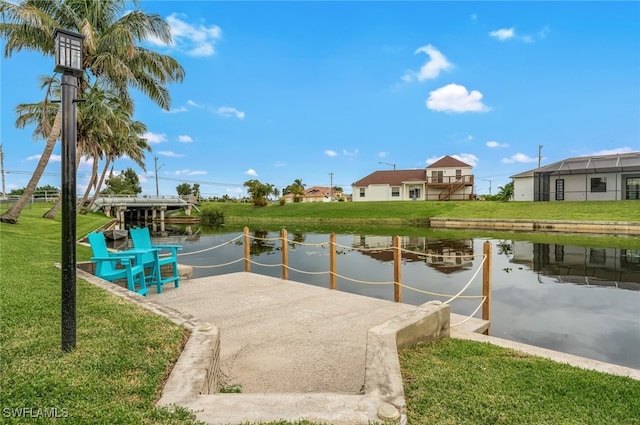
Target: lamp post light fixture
[
  {"x": 388, "y": 163},
  {"x": 68, "y": 55}
]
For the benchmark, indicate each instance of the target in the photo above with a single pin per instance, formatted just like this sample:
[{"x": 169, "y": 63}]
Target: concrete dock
[{"x": 296, "y": 351}]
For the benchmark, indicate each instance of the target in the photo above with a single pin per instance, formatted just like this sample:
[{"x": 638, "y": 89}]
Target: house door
[
  {"x": 633, "y": 188},
  {"x": 560, "y": 190},
  {"x": 414, "y": 193}
]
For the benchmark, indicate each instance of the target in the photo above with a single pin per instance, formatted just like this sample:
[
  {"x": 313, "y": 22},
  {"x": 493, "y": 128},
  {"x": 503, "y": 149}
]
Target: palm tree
[
  {"x": 106, "y": 128},
  {"x": 506, "y": 192},
  {"x": 111, "y": 54},
  {"x": 297, "y": 189},
  {"x": 126, "y": 142}
]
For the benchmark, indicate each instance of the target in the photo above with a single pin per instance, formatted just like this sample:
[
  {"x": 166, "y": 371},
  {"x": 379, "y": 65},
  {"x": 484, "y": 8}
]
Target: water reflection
[
  {"x": 567, "y": 298},
  {"x": 619, "y": 268},
  {"x": 446, "y": 256}
]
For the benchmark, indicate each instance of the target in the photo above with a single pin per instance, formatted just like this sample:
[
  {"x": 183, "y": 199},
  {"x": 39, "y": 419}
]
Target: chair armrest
[
  {"x": 138, "y": 254},
  {"x": 167, "y": 246},
  {"x": 123, "y": 259},
  {"x": 172, "y": 248}
]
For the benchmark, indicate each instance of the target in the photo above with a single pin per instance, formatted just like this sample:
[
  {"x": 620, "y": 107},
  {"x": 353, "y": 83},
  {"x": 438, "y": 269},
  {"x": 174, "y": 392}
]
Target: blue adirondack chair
[
  {"x": 155, "y": 257},
  {"x": 113, "y": 266}
]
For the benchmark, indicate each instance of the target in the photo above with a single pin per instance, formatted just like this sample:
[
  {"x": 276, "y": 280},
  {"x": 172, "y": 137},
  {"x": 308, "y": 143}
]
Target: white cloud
[
  {"x": 37, "y": 157},
  {"x": 503, "y": 33},
  {"x": 329, "y": 152},
  {"x": 153, "y": 138},
  {"x": 347, "y": 153},
  {"x": 467, "y": 158},
  {"x": 519, "y": 157},
  {"x": 170, "y": 154},
  {"x": 86, "y": 163},
  {"x": 194, "y": 40},
  {"x": 613, "y": 151},
  {"x": 228, "y": 111},
  {"x": 494, "y": 144},
  {"x": 185, "y": 139},
  {"x": 510, "y": 33},
  {"x": 251, "y": 172},
  {"x": 456, "y": 98},
  {"x": 192, "y": 103},
  {"x": 543, "y": 32},
  {"x": 279, "y": 164},
  {"x": 431, "y": 160},
  {"x": 188, "y": 172},
  {"x": 430, "y": 70},
  {"x": 383, "y": 154},
  {"x": 176, "y": 110}
]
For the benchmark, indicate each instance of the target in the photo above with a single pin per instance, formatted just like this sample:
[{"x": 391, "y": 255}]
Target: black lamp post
[{"x": 68, "y": 54}]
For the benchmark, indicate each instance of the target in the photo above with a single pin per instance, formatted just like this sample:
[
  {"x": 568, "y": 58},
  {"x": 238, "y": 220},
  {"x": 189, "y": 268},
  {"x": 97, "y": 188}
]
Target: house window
[
  {"x": 458, "y": 174},
  {"x": 362, "y": 192},
  {"x": 633, "y": 188},
  {"x": 560, "y": 190},
  {"x": 437, "y": 176},
  {"x": 395, "y": 191},
  {"x": 598, "y": 184}
]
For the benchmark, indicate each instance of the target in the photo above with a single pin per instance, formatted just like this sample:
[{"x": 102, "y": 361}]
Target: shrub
[{"x": 212, "y": 216}]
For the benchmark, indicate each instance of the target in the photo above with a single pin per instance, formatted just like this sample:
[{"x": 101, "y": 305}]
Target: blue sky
[{"x": 332, "y": 91}]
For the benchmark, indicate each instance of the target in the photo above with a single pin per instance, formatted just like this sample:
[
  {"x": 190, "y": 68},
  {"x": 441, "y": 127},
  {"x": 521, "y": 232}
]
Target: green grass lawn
[
  {"x": 408, "y": 212},
  {"x": 463, "y": 382},
  {"x": 124, "y": 352}
]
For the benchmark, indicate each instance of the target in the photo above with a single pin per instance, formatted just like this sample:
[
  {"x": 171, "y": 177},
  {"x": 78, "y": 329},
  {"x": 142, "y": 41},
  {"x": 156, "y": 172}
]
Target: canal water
[{"x": 583, "y": 301}]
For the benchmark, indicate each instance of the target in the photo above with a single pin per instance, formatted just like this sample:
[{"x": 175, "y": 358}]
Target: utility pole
[
  {"x": 486, "y": 180},
  {"x": 331, "y": 187},
  {"x": 157, "y": 168},
  {"x": 539, "y": 155},
  {"x": 4, "y": 193}
]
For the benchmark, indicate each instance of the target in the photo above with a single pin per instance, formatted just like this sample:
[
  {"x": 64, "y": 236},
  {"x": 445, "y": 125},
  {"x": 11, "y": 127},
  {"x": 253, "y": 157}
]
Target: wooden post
[
  {"x": 247, "y": 250},
  {"x": 486, "y": 283},
  {"x": 397, "y": 270},
  {"x": 332, "y": 261},
  {"x": 285, "y": 254}
]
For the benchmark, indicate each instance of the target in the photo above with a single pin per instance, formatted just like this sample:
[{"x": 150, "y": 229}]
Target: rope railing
[
  {"x": 398, "y": 251},
  {"x": 210, "y": 248}
]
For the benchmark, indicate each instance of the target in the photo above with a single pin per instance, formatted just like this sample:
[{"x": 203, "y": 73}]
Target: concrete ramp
[{"x": 280, "y": 336}]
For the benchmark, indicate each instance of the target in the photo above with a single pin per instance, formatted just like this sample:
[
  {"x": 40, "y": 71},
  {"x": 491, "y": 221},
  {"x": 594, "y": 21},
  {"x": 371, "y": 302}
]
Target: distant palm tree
[
  {"x": 505, "y": 192},
  {"x": 297, "y": 189},
  {"x": 111, "y": 54}
]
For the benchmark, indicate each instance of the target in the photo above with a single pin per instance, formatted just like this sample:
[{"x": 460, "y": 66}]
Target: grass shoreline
[{"x": 418, "y": 213}]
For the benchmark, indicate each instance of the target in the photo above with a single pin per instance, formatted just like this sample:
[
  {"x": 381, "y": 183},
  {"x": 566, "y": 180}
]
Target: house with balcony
[
  {"x": 586, "y": 178},
  {"x": 446, "y": 179}
]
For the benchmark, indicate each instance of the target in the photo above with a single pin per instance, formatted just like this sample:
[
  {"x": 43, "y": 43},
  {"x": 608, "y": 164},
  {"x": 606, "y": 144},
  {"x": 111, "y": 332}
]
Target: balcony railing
[{"x": 448, "y": 180}]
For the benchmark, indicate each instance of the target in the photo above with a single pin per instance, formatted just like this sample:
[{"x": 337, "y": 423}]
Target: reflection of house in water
[
  {"x": 582, "y": 266},
  {"x": 446, "y": 256}
]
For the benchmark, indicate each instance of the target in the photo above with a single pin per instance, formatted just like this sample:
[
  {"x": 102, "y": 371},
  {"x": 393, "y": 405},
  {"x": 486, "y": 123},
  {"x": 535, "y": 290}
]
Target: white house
[
  {"x": 446, "y": 179},
  {"x": 588, "y": 178}
]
